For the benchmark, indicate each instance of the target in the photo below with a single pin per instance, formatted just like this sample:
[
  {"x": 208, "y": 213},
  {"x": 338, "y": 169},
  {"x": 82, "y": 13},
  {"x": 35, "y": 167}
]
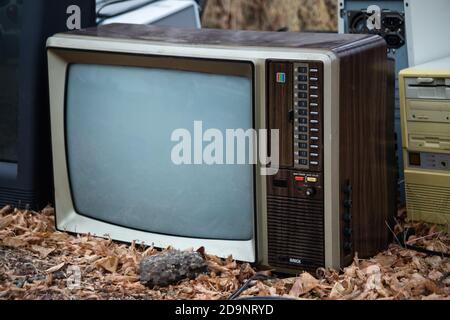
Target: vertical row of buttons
[
  {"x": 301, "y": 115},
  {"x": 314, "y": 118}
]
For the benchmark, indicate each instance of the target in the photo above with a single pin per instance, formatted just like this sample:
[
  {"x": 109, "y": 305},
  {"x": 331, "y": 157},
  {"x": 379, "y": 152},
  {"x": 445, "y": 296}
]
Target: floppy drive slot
[
  {"x": 427, "y": 88},
  {"x": 430, "y": 142},
  {"x": 428, "y": 110}
]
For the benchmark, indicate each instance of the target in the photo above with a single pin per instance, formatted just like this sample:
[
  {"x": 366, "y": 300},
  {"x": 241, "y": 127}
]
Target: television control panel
[
  {"x": 295, "y": 104},
  {"x": 307, "y": 116},
  {"x": 295, "y": 195}
]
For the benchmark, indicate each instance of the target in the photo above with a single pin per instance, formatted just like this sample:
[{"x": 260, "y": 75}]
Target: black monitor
[{"x": 25, "y": 154}]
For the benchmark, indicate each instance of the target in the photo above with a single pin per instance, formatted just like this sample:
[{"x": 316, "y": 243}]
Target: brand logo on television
[
  {"x": 295, "y": 261},
  {"x": 234, "y": 146},
  {"x": 281, "y": 77}
]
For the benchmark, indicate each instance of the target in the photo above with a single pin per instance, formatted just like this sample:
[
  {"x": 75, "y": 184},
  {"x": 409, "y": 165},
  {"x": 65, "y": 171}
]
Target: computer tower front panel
[{"x": 426, "y": 137}]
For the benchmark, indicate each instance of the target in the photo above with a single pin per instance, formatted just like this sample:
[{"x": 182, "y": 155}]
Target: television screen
[{"x": 119, "y": 126}]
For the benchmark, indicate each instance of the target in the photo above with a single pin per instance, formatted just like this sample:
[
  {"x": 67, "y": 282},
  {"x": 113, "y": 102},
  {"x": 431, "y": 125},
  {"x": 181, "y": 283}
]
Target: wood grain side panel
[{"x": 366, "y": 150}]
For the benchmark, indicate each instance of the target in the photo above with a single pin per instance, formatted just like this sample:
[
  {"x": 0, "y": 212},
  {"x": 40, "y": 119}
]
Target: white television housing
[{"x": 166, "y": 13}]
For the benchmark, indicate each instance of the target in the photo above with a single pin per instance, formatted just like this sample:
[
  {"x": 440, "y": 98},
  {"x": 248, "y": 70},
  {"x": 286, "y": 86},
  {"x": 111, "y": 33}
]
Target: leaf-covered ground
[{"x": 37, "y": 262}]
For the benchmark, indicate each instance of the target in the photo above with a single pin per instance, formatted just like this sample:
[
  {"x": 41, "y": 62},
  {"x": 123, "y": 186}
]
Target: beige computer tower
[{"x": 425, "y": 112}]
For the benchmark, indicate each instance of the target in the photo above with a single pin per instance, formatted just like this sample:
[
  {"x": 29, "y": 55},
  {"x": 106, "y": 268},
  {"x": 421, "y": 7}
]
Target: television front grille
[
  {"x": 295, "y": 233},
  {"x": 20, "y": 199}
]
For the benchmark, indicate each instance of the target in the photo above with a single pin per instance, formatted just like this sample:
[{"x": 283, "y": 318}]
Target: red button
[{"x": 299, "y": 178}]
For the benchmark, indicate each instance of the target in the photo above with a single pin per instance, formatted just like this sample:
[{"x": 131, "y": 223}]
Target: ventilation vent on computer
[
  {"x": 428, "y": 203},
  {"x": 19, "y": 198},
  {"x": 295, "y": 233}
]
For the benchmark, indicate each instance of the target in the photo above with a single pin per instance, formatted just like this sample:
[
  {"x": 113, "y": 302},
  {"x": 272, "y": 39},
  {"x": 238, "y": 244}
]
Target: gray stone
[{"x": 171, "y": 267}]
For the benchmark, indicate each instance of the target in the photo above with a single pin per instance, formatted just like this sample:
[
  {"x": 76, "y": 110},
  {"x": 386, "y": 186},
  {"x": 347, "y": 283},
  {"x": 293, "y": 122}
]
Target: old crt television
[
  {"x": 25, "y": 155},
  {"x": 123, "y": 95},
  {"x": 425, "y": 102}
]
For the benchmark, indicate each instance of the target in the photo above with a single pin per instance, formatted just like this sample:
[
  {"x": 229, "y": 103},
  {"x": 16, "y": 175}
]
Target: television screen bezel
[{"x": 69, "y": 57}]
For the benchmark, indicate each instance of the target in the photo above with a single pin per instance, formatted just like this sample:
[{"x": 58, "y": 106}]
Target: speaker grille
[
  {"x": 428, "y": 203},
  {"x": 295, "y": 233},
  {"x": 19, "y": 198}
]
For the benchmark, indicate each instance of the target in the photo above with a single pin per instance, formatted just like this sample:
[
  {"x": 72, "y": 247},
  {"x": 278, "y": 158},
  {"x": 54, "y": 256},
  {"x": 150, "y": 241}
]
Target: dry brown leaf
[
  {"x": 231, "y": 265},
  {"x": 434, "y": 296},
  {"x": 43, "y": 252},
  {"x": 187, "y": 290},
  {"x": 430, "y": 286},
  {"x": 304, "y": 284},
  {"x": 109, "y": 263},
  {"x": 6, "y": 221},
  {"x": 267, "y": 273},
  {"x": 350, "y": 271},
  {"x": 49, "y": 279},
  {"x": 214, "y": 258},
  {"x": 434, "y": 261},
  {"x": 337, "y": 291},
  {"x": 384, "y": 260},
  {"x": 59, "y": 236},
  {"x": 214, "y": 266},
  {"x": 121, "y": 279},
  {"x": 6, "y": 210},
  {"x": 55, "y": 268},
  {"x": 14, "y": 242},
  {"x": 48, "y": 211},
  {"x": 91, "y": 258},
  {"x": 435, "y": 275}
]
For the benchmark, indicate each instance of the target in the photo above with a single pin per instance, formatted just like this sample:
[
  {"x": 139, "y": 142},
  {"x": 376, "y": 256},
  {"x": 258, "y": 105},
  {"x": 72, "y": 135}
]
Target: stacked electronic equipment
[
  {"x": 425, "y": 107},
  {"x": 353, "y": 17}
]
